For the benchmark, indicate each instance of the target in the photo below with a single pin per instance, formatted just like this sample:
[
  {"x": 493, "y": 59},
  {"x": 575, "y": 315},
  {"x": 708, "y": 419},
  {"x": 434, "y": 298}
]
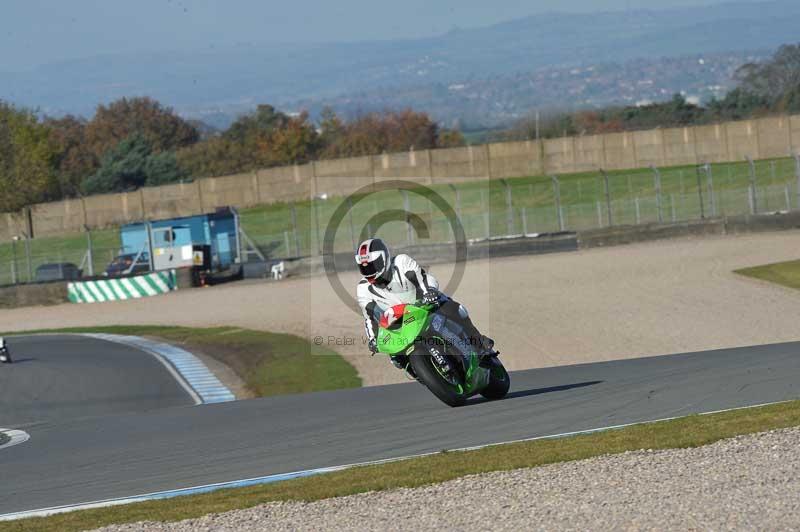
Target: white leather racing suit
[{"x": 406, "y": 282}]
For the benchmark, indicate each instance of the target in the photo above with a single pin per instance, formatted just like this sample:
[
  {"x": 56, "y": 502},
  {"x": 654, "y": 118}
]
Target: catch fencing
[
  {"x": 486, "y": 209},
  {"x": 506, "y": 208}
]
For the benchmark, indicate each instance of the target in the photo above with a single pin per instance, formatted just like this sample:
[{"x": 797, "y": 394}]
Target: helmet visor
[{"x": 372, "y": 267}]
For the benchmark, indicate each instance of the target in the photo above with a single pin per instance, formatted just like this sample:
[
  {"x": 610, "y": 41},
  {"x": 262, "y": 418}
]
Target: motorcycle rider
[
  {"x": 5, "y": 355},
  {"x": 388, "y": 281}
]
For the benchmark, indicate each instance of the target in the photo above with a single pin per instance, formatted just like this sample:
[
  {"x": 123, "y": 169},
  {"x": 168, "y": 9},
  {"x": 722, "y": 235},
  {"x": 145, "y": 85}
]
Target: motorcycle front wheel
[
  {"x": 499, "y": 381},
  {"x": 449, "y": 393}
]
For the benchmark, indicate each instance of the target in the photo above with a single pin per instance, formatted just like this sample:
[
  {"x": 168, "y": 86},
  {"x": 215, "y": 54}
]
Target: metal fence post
[
  {"x": 286, "y": 243},
  {"x": 294, "y": 231},
  {"x": 28, "y": 257},
  {"x": 457, "y": 194},
  {"x": 509, "y": 207},
  {"x": 407, "y": 209},
  {"x": 89, "y": 252},
  {"x": 788, "y": 199},
  {"x": 14, "y": 261},
  {"x": 524, "y": 216},
  {"x": 700, "y": 194},
  {"x": 711, "y": 198},
  {"x": 638, "y": 212},
  {"x": 753, "y": 198},
  {"x": 486, "y": 224},
  {"x": 315, "y": 202},
  {"x": 608, "y": 197},
  {"x": 557, "y": 195},
  {"x": 352, "y": 229},
  {"x": 672, "y": 204},
  {"x": 657, "y": 177},
  {"x": 797, "y": 173}
]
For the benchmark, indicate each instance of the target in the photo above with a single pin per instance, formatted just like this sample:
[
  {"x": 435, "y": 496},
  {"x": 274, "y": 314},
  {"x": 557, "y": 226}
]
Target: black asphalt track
[
  {"x": 70, "y": 461},
  {"x": 66, "y": 377}
]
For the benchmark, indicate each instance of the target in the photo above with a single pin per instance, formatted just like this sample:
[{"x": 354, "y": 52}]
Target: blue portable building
[{"x": 174, "y": 243}]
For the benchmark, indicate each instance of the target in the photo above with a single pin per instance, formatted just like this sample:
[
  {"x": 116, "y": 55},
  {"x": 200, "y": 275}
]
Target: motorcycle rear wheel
[{"x": 430, "y": 377}]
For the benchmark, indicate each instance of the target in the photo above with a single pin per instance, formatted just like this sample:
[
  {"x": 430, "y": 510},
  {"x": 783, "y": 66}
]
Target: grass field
[
  {"x": 485, "y": 208},
  {"x": 686, "y": 432},
  {"x": 784, "y": 273},
  {"x": 268, "y": 363}
]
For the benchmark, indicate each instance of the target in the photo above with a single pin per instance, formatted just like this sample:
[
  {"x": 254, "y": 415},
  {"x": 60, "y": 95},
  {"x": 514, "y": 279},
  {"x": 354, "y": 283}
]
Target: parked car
[
  {"x": 123, "y": 265},
  {"x": 58, "y": 271}
]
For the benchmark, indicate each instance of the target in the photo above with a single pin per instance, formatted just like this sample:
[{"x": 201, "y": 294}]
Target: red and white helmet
[{"x": 373, "y": 258}]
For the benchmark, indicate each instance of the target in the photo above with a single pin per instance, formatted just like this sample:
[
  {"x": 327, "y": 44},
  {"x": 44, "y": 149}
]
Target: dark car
[
  {"x": 123, "y": 265},
  {"x": 60, "y": 271}
]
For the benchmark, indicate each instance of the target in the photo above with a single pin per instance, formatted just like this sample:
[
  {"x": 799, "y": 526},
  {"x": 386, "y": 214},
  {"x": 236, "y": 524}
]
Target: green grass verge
[
  {"x": 784, "y": 273},
  {"x": 268, "y": 363},
  {"x": 692, "y": 431}
]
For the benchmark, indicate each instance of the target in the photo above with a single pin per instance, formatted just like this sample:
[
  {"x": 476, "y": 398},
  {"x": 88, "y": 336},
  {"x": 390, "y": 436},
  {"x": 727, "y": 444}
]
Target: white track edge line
[{"x": 206, "y": 488}]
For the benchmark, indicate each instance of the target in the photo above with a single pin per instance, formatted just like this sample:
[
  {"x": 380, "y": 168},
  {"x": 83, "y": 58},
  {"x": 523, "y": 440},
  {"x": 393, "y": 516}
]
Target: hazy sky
[{"x": 33, "y": 32}]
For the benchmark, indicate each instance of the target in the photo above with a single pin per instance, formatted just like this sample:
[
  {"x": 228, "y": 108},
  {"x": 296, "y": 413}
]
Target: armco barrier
[
  {"x": 629, "y": 234},
  {"x": 101, "y": 290}
]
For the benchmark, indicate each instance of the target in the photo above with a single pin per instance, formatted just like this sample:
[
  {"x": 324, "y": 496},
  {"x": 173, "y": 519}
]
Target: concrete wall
[
  {"x": 453, "y": 165},
  {"x": 733, "y": 141},
  {"x": 13, "y": 224},
  {"x": 514, "y": 159},
  {"x": 285, "y": 184}
]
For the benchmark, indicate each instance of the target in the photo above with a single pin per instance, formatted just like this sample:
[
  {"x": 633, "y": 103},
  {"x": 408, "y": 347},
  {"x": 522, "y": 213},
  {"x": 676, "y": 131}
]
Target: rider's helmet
[{"x": 373, "y": 258}]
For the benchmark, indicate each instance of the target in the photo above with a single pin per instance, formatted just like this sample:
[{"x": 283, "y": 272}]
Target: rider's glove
[
  {"x": 373, "y": 346},
  {"x": 429, "y": 298}
]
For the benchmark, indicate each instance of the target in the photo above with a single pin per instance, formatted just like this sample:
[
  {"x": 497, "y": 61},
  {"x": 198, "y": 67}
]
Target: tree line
[
  {"x": 135, "y": 142},
  {"x": 762, "y": 89}
]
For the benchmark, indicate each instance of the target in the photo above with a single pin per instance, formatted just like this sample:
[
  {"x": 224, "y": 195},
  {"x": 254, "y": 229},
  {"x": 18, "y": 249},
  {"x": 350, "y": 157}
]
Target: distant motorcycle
[{"x": 5, "y": 354}]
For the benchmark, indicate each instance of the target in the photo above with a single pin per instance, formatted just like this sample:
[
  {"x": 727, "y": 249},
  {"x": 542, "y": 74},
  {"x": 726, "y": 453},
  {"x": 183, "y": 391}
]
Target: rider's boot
[
  {"x": 486, "y": 351},
  {"x": 402, "y": 362},
  {"x": 487, "y": 346}
]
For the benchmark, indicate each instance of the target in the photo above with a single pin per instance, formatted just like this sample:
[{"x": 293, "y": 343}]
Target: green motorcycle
[{"x": 441, "y": 355}]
